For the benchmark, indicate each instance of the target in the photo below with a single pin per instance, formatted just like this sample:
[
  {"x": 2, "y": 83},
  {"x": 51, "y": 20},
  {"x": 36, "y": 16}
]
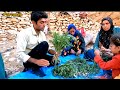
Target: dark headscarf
[
  {"x": 77, "y": 33},
  {"x": 70, "y": 26},
  {"x": 104, "y": 36}
]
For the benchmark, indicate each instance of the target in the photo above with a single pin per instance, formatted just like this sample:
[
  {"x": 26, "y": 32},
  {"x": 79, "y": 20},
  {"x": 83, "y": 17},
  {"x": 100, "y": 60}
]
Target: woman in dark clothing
[
  {"x": 77, "y": 42},
  {"x": 102, "y": 42}
]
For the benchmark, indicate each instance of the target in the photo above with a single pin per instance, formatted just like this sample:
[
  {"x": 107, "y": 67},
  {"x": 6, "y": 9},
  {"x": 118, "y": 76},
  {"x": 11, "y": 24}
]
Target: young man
[{"x": 32, "y": 46}]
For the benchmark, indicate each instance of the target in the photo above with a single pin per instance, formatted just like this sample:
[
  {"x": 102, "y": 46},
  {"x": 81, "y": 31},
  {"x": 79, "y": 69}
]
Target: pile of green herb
[{"x": 76, "y": 67}]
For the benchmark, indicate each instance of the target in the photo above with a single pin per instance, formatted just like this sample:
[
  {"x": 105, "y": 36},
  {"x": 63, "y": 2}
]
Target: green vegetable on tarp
[{"x": 75, "y": 67}]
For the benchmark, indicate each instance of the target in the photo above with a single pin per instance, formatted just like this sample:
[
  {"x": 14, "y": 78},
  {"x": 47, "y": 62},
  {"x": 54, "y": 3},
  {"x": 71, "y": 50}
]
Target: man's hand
[
  {"x": 109, "y": 54},
  {"x": 42, "y": 62},
  {"x": 51, "y": 51},
  {"x": 106, "y": 51},
  {"x": 39, "y": 62}
]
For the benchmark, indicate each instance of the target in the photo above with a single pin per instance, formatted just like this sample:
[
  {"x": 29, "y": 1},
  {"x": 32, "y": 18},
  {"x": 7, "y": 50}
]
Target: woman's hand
[
  {"x": 103, "y": 49},
  {"x": 97, "y": 52},
  {"x": 109, "y": 54}
]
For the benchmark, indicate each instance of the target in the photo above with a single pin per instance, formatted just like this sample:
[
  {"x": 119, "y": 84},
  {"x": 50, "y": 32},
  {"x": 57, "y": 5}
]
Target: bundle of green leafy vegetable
[{"x": 60, "y": 42}]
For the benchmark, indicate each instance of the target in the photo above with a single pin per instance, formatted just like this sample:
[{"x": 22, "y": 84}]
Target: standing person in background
[{"x": 47, "y": 26}]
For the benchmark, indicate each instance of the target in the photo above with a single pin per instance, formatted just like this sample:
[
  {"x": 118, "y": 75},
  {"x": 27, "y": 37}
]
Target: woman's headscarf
[{"x": 104, "y": 36}]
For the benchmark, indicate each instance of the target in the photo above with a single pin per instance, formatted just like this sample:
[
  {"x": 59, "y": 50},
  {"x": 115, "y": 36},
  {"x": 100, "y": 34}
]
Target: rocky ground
[
  {"x": 10, "y": 26},
  {"x": 8, "y": 51}
]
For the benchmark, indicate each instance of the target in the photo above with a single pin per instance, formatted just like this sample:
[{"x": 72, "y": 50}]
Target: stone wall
[{"x": 59, "y": 20}]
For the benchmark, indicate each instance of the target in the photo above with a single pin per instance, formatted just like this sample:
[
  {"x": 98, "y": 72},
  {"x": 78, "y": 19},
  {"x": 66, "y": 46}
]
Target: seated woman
[
  {"x": 77, "y": 42},
  {"x": 102, "y": 42}
]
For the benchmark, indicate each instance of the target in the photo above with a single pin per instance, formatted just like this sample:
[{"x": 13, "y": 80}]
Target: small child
[
  {"x": 74, "y": 33},
  {"x": 76, "y": 47},
  {"x": 113, "y": 64}
]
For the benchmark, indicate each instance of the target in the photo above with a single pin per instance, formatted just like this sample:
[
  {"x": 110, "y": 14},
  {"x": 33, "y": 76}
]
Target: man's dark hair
[{"x": 36, "y": 15}]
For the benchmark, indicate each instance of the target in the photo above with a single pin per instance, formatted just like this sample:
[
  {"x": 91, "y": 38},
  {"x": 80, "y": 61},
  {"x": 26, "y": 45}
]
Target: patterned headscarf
[{"x": 104, "y": 36}]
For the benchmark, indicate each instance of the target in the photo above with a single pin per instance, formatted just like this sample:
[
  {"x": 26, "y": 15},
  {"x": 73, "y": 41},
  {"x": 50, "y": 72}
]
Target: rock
[{"x": 14, "y": 20}]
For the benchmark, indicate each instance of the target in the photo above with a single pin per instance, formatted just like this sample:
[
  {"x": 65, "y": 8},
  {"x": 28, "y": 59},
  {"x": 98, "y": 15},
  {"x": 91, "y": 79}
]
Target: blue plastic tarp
[{"x": 48, "y": 71}]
